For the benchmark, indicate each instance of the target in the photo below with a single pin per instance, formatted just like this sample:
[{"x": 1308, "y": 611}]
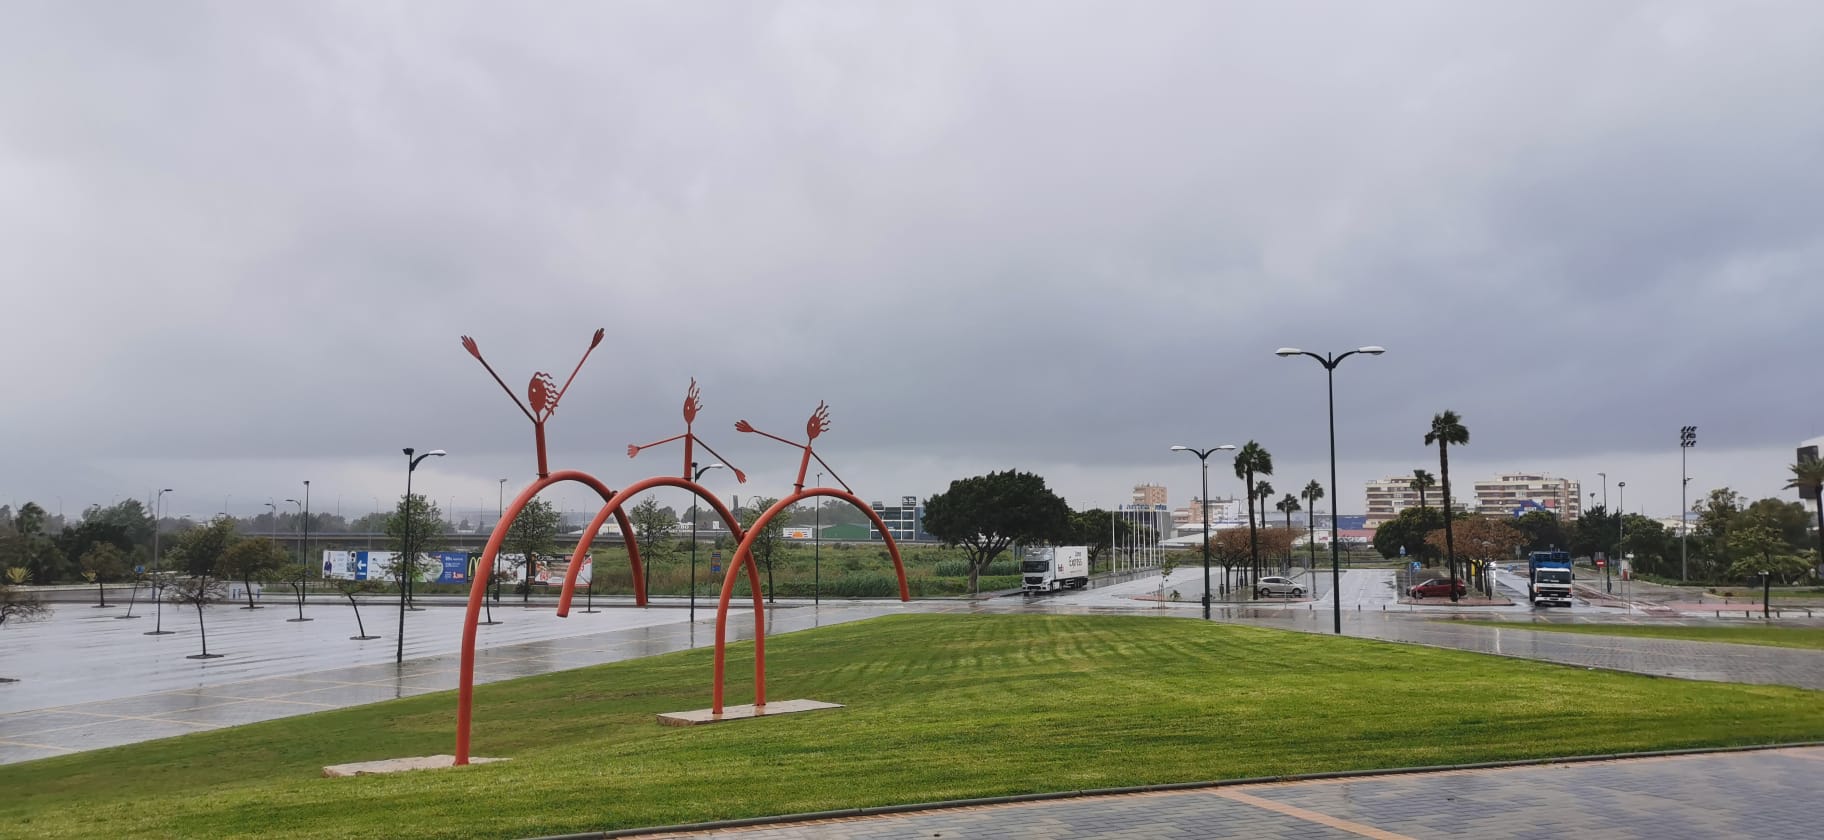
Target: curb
[{"x": 951, "y": 804}]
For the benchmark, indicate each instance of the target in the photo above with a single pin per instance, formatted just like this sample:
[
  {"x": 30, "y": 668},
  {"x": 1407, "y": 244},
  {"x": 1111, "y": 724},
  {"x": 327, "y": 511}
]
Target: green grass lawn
[
  {"x": 938, "y": 707},
  {"x": 1810, "y": 638}
]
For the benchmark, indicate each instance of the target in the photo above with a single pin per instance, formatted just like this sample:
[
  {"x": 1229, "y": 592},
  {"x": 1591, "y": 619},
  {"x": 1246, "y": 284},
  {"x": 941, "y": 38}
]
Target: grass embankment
[
  {"x": 1809, "y": 638},
  {"x": 939, "y": 707}
]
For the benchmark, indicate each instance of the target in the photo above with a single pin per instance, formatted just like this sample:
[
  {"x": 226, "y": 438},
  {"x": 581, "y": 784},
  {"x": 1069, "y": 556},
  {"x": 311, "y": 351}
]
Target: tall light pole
[
  {"x": 500, "y": 512},
  {"x": 158, "y": 628},
  {"x": 1621, "y": 526},
  {"x": 406, "y": 564},
  {"x": 304, "y": 545},
  {"x": 817, "y": 549},
  {"x": 1336, "y": 507},
  {"x": 275, "y": 522},
  {"x": 696, "y": 474},
  {"x": 1687, "y": 438},
  {"x": 1203, "y": 457}
]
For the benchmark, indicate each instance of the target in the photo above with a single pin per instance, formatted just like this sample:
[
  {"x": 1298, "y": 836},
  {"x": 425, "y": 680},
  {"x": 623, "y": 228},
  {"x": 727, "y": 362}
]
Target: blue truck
[{"x": 1548, "y": 579}]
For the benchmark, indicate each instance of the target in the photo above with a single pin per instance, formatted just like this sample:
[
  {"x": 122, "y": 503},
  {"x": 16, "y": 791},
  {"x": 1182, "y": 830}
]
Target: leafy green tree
[
  {"x": 1447, "y": 430},
  {"x": 103, "y": 563},
  {"x": 655, "y": 529},
  {"x": 1312, "y": 492},
  {"x": 251, "y": 559},
  {"x": 1757, "y": 547},
  {"x": 1253, "y": 460},
  {"x": 767, "y": 541},
  {"x": 1717, "y": 513},
  {"x": 420, "y": 517},
  {"x": 532, "y": 534},
  {"x": 1809, "y": 475},
  {"x": 1408, "y": 529},
  {"x": 987, "y": 513},
  {"x": 1649, "y": 542},
  {"x": 1592, "y": 532},
  {"x": 1098, "y": 529},
  {"x": 1423, "y": 481},
  {"x": 199, "y": 551},
  {"x": 1542, "y": 530},
  {"x": 1788, "y": 519},
  {"x": 1288, "y": 506},
  {"x": 31, "y": 547}
]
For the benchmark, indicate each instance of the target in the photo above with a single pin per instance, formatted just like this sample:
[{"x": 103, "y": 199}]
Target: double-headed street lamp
[
  {"x": 406, "y": 564},
  {"x": 696, "y": 474},
  {"x": 1330, "y": 362},
  {"x": 1203, "y": 457}
]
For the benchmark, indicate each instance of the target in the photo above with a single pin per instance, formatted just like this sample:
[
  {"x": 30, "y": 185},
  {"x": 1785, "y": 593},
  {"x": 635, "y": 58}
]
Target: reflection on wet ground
[{"x": 89, "y": 681}]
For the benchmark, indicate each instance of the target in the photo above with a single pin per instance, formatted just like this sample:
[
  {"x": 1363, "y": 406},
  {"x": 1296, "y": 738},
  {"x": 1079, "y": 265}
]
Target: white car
[{"x": 1270, "y": 586}]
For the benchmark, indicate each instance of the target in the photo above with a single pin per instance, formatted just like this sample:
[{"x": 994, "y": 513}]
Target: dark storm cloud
[{"x": 246, "y": 238}]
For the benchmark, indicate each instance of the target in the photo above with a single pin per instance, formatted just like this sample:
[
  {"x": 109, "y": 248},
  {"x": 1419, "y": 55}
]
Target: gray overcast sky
[{"x": 239, "y": 241}]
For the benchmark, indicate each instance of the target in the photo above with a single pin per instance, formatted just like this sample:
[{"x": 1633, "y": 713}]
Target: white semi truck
[{"x": 1051, "y": 568}]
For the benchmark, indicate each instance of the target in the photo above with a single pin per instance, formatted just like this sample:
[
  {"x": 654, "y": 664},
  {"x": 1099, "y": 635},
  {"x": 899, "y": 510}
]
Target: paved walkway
[{"x": 1759, "y": 794}]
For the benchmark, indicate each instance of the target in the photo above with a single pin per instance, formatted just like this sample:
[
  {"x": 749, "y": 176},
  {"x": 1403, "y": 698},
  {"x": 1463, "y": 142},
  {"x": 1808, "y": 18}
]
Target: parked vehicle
[
  {"x": 1049, "y": 568},
  {"x": 1549, "y": 578},
  {"x": 1437, "y": 588},
  {"x": 1270, "y": 586}
]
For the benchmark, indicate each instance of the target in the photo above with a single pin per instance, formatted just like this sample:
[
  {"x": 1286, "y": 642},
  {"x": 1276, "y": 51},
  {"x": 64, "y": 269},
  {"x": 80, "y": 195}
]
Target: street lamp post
[
  {"x": 304, "y": 544},
  {"x": 500, "y": 512},
  {"x": 1336, "y": 508},
  {"x": 1687, "y": 438},
  {"x": 696, "y": 474},
  {"x": 300, "y": 582},
  {"x": 1203, "y": 458},
  {"x": 405, "y": 563},
  {"x": 817, "y": 550},
  {"x": 1621, "y": 526},
  {"x": 158, "y": 609}
]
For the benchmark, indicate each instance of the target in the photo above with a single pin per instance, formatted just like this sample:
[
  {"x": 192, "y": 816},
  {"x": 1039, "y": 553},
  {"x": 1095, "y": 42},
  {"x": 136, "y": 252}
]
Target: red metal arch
[
  {"x": 615, "y": 506},
  {"x": 478, "y": 587},
  {"x": 744, "y": 557}
]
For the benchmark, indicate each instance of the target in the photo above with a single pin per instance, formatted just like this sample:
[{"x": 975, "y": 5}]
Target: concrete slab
[
  {"x": 399, "y": 765},
  {"x": 744, "y": 712}
]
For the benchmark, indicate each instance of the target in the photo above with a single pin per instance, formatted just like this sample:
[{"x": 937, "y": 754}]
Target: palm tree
[
  {"x": 1253, "y": 460},
  {"x": 1420, "y": 481},
  {"x": 1809, "y": 475},
  {"x": 1446, "y": 430},
  {"x": 1312, "y": 492},
  {"x": 1288, "y": 506}
]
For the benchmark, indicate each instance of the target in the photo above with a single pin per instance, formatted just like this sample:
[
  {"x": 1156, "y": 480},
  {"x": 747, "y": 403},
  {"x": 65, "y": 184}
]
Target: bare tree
[
  {"x": 351, "y": 588},
  {"x": 199, "y": 591}
]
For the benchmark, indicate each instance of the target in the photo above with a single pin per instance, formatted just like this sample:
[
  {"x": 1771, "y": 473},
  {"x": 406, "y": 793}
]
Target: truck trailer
[
  {"x": 1051, "y": 568},
  {"x": 1548, "y": 580}
]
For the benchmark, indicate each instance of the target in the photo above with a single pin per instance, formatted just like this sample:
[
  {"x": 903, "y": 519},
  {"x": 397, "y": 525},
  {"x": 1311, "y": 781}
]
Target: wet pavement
[
  {"x": 89, "y": 681},
  {"x": 1761, "y": 794}
]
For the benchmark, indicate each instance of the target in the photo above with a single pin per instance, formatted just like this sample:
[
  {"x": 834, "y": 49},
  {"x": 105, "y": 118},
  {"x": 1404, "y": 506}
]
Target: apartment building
[
  {"x": 1388, "y": 496},
  {"x": 1513, "y": 494}
]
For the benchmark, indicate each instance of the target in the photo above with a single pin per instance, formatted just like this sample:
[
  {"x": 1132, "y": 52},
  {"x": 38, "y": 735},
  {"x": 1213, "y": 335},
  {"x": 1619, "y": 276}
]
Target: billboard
[{"x": 452, "y": 567}]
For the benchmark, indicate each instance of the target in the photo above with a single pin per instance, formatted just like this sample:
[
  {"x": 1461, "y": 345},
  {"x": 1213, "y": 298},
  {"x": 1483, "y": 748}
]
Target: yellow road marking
[{"x": 1311, "y": 816}]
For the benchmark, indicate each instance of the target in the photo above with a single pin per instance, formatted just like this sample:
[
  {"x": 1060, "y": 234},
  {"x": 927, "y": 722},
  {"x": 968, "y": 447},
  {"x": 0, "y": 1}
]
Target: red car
[{"x": 1438, "y": 587}]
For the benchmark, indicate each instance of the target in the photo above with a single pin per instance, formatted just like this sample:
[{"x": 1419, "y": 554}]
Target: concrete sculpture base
[
  {"x": 782, "y": 707},
  {"x": 398, "y": 765}
]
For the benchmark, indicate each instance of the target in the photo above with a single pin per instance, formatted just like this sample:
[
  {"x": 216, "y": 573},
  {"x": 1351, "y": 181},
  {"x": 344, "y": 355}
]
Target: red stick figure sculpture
[
  {"x": 691, "y": 406},
  {"x": 540, "y": 391},
  {"x": 817, "y": 425}
]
